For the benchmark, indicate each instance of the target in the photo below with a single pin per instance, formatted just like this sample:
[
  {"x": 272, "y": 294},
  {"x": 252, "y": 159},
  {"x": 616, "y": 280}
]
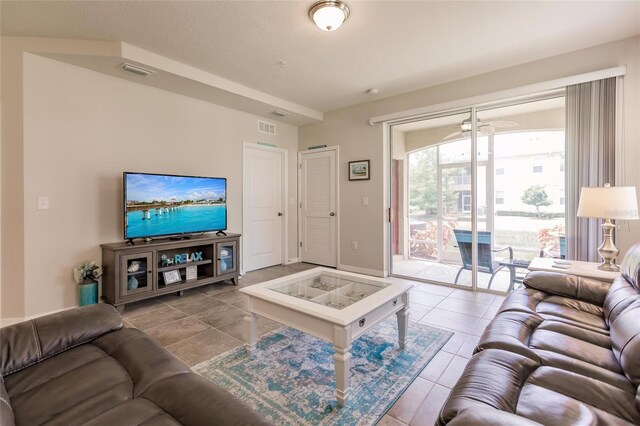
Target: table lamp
[{"x": 608, "y": 203}]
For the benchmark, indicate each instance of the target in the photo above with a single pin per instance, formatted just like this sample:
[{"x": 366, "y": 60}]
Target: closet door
[{"x": 318, "y": 215}]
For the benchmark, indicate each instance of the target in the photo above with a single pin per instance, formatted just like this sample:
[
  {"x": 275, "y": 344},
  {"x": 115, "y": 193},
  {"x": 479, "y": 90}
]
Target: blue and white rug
[{"x": 290, "y": 379}]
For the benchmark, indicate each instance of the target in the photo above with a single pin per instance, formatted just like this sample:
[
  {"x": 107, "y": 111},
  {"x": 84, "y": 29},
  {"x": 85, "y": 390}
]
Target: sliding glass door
[
  {"x": 436, "y": 189},
  {"x": 509, "y": 164}
]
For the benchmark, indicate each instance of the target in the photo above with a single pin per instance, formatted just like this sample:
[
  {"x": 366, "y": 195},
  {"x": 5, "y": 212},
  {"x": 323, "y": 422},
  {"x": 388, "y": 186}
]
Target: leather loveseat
[
  {"x": 82, "y": 367},
  {"x": 563, "y": 350}
]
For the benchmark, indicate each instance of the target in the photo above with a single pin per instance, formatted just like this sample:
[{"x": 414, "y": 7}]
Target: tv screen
[{"x": 159, "y": 205}]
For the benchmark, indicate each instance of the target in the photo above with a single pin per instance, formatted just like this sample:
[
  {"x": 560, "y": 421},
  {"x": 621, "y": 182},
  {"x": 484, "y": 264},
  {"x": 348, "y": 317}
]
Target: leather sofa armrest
[
  {"x": 29, "y": 342},
  {"x": 580, "y": 288},
  {"x": 485, "y": 416}
]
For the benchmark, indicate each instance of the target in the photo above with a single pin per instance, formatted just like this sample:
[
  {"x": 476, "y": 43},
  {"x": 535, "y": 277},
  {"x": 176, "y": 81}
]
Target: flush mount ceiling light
[{"x": 329, "y": 15}]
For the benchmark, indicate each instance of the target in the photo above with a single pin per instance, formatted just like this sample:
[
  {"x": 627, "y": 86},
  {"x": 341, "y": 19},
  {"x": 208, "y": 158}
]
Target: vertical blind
[{"x": 590, "y": 149}]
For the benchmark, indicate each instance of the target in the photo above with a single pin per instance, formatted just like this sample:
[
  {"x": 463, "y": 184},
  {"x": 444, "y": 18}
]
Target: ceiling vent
[
  {"x": 136, "y": 69},
  {"x": 265, "y": 127},
  {"x": 280, "y": 113}
]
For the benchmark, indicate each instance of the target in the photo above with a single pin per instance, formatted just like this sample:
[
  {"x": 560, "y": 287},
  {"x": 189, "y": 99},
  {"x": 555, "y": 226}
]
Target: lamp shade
[{"x": 617, "y": 202}]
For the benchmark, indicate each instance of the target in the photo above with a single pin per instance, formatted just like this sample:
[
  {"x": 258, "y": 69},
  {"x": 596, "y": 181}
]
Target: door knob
[
  {"x": 279, "y": 213},
  {"x": 332, "y": 214}
]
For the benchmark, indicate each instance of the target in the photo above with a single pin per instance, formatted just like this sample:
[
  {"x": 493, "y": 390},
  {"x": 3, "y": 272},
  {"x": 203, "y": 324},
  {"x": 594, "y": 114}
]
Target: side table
[
  {"x": 575, "y": 267},
  {"x": 513, "y": 265}
]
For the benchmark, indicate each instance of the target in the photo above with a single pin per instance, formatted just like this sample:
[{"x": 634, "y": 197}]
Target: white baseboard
[
  {"x": 359, "y": 270},
  {"x": 293, "y": 260}
]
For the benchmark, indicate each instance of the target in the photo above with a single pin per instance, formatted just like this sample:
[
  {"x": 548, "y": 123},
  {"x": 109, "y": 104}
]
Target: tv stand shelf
[
  {"x": 183, "y": 265},
  {"x": 138, "y": 272}
]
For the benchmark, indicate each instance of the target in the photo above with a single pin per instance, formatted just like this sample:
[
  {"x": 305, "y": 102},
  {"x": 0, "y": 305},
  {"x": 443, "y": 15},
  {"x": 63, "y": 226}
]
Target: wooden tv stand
[{"x": 137, "y": 272}]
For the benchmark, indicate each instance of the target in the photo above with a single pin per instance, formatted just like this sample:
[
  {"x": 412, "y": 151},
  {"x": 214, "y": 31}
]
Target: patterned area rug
[{"x": 290, "y": 378}]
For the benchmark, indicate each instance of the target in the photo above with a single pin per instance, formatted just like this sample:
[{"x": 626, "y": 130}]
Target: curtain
[{"x": 590, "y": 149}]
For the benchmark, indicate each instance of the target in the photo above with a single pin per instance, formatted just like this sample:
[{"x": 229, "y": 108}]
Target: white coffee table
[{"x": 332, "y": 305}]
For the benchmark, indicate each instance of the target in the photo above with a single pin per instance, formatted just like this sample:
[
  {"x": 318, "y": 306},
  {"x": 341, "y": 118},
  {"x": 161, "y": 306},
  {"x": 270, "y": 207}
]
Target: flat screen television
[{"x": 161, "y": 205}]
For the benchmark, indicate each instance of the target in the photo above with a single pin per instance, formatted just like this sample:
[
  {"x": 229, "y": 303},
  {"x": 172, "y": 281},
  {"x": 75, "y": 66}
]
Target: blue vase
[
  {"x": 88, "y": 293},
  {"x": 132, "y": 284}
]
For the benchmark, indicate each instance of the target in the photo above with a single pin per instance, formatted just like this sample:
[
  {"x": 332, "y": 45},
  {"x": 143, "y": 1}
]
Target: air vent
[
  {"x": 136, "y": 69},
  {"x": 280, "y": 113},
  {"x": 265, "y": 127}
]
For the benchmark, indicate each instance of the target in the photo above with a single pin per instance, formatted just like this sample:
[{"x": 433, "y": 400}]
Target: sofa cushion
[
  {"x": 200, "y": 402},
  {"x": 516, "y": 384},
  {"x": 572, "y": 286},
  {"x": 561, "y": 309},
  {"x": 71, "y": 388},
  {"x": 6, "y": 412},
  {"x": 554, "y": 396},
  {"x": 492, "y": 378},
  {"x": 485, "y": 416},
  {"x": 620, "y": 296},
  {"x": 625, "y": 336},
  {"x": 29, "y": 342},
  {"x": 556, "y": 344},
  {"x": 141, "y": 357},
  {"x": 630, "y": 267},
  {"x": 134, "y": 412}
]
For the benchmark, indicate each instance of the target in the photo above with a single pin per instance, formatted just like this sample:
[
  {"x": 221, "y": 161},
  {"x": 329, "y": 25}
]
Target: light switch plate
[
  {"x": 43, "y": 203},
  {"x": 365, "y": 201}
]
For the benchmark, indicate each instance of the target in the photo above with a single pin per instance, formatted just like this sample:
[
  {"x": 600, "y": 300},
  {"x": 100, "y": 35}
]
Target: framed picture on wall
[{"x": 359, "y": 170}]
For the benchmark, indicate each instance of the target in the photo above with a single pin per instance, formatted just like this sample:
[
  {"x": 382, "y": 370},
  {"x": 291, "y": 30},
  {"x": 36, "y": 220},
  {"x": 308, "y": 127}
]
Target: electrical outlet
[
  {"x": 365, "y": 201},
  {"x": 354, "y": 245},
  {"x": 43, "y": 203}
]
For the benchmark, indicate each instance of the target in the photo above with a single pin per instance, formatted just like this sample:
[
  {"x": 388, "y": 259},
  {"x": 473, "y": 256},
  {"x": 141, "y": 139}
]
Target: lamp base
[
  {"x": 608, "y": 267},
  {"x": 608, "y": 251}
]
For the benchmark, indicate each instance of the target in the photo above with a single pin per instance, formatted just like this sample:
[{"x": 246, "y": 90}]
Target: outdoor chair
[
  {"x": 562, "y": 254},
  {"x": 486, "y": 263}
]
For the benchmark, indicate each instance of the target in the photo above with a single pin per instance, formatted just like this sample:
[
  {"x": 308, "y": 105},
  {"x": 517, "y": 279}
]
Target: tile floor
[
  {"x": 446, "y": 273},
  {"x": 207, "y": 321}
]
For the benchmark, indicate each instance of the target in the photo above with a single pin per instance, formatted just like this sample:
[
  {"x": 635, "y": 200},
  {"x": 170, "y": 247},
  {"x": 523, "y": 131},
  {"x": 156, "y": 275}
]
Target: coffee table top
[
  {"x": 329, "y": 290},
  {"x": 340, "y": 297}
]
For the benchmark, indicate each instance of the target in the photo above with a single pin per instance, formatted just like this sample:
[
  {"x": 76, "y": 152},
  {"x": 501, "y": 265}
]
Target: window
[
  {"x": 562, "y": 201},
  {"x": 537, "y": 169},
  {"x": 499, "y": 172},
  {"x": 499, "y": 197},
  {"x": 466, "y": 203},
  {"x": 562, "y": 166},
  {"x": 462, "y": 180}
]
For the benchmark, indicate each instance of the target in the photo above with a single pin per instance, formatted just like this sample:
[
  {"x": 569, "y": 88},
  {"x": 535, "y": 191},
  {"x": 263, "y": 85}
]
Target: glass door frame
[{"x": 475, "y": 164}]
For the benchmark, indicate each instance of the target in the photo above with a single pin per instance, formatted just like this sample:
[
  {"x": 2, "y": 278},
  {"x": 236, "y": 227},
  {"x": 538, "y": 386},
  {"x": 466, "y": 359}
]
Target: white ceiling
[{"x": 393, "y": 46}]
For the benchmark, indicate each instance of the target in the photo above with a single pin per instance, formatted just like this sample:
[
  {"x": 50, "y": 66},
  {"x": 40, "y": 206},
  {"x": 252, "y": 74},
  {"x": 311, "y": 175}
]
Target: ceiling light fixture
[{"x": 329, "y": 15}]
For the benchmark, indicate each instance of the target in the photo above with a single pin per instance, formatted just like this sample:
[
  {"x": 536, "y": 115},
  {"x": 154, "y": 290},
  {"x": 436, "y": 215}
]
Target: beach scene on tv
[{"x": 163, "y": 205}]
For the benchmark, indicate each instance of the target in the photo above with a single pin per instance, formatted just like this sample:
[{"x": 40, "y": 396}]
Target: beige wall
[
  {"x": 349, "y": 128},
  {"x": 82, "y": 129},
  {"x": 13, "y": 225}
]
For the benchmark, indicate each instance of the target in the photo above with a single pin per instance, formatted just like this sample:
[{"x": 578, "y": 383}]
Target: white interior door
[
  {"x": 263, "y": 207},
  {"x": 318, "y": 195}
]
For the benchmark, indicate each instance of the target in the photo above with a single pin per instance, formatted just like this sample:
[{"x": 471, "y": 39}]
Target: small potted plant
[{"x": 86, "y": 275}]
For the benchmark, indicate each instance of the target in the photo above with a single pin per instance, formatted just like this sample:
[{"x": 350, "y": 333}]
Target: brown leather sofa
[
  {"x": 563, "y": 350},
  {"x": 82, "y": 367}
]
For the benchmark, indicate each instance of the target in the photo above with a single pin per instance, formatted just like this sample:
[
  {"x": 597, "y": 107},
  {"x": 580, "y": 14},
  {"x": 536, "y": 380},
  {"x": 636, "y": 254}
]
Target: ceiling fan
[{"x": 486, "y": 128}]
